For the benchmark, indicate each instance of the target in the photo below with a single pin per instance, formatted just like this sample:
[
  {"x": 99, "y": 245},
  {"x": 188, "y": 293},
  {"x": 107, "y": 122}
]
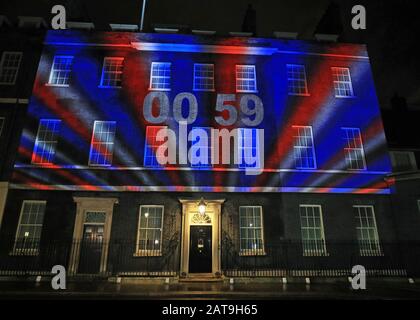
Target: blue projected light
[{"x": 291, "y": 116}]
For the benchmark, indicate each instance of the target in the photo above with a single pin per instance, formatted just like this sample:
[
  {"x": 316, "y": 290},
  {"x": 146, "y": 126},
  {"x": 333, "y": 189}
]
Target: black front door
[
  {"x": 200, "y": 249},
  {"x": 91, "y": 249}
]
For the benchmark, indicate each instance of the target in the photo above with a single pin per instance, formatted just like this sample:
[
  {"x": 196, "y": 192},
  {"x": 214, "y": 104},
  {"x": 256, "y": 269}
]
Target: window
[
  {"x": 367, "y": 232},
  {"x": 160, "y": 76},
  {"x": 2, "y": 121},
  {"x": 353, "y": 150},
  {"x": 112, "y": 72},
  {"x": 203, "y": 77},
  {"x": 304, "y": 150},
  {"x": 343, "y": 87},
  {"x": 46, "y": 141},
  {"x": 251, "y": 231},
  {"x": 102, "y": 144},
  {"x": 151, "y": 146},
  {"x": 149, "y": 236},
  {"x": 312, "y": 228},
  {"x": 201, "y": 149},
  {"x": 403, "y": 161},
  {"x": 246, "y": 79},
  {"x": 248, "y": 143},
  {"x": 29, "y": 229},
  {"x": 60, "y": 71},
  {"x": 296, "y": 80},
  {"x": 9, "y": 67}
]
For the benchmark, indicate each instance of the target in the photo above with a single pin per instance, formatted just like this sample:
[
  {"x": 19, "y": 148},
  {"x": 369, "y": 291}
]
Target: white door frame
[
  {"x": 214, "y": 211},
  {"x": 84, "y": 205}
]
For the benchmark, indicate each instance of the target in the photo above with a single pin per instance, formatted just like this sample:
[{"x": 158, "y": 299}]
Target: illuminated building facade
[{"x": 307, "y": 195}]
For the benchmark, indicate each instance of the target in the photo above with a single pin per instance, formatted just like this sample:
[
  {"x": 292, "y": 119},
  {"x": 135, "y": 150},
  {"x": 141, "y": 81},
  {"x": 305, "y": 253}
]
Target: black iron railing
[{"x": 286, "y": 258}]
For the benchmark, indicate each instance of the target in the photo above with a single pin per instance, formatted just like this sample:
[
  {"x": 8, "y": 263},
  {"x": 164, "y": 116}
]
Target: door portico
[{"x": 210, "y": 219}]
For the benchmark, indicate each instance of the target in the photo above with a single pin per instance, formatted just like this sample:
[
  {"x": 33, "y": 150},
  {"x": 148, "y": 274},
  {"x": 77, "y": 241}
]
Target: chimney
[
  {"x": 330, "y": 26},
  {"x": 249, "y": 24}
]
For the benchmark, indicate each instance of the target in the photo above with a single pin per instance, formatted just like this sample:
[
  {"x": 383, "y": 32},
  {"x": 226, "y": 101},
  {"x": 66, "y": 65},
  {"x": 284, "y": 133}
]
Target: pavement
[{"x": 104, "y": 290}]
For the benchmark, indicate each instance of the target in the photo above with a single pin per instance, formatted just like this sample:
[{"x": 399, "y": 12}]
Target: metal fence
[{"x": 285, "y": 258}]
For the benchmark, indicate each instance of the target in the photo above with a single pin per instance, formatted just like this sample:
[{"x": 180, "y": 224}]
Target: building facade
[
  {"x": 20, "y": 50},
  {"x": 197, "y": 155}
]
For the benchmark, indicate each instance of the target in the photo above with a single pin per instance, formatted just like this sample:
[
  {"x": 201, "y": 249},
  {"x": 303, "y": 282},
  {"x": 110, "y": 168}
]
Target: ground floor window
[
  {"x": 312, "y": 229},
  {"x": 29, "y": 229},
  {"x": 149, "y": 236},
  {"x": 367, "y": 232},
  {"x": 251, "y": 231}
]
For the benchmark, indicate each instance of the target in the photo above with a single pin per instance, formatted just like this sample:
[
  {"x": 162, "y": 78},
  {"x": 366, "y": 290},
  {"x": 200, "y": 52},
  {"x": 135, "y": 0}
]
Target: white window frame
[
  {"x": 242, "y": 164},
  {"x": 16, "y": 69},
  {"x": 152, "y": 77},
  {"x": 50, "y": 83},
  {"x": 147, "y": 252},
  {"x": 212, "y": 89},
  {"x": 120, "y": 73},
  {"x": 301, "y": 147},
  {"x": 147, "y": 145},
  {"x": 249, "y": 79},
  {"x": 348, "y": 149},
  {"x": 27, "y": 251},
  {"x": 38, "y": 142},
  {"x": 322, "y": 252},
  {"x": 252, "y": 252},
  {"x": 411, "y": 155},
  {"x": 338, "y": 82},
  {"x": 91, "y": 164},
  {"x": 304, "y": 94},
  {"x": 368, "y": 252}
]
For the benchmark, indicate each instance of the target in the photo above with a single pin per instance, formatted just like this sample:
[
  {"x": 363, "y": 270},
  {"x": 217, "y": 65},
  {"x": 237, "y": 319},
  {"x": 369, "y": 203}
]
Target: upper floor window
[
  {"x": 403, "y": 161},
  {"x": 342, "y": 82},
  {"x": 102, "y": 145},
  {"x": 203, "y": 77},
  {"x": 201, "y": 149},
  {"x": 149, "y": 234},
  {"x": 296, "y": 80},
  {"x": 312, "y": 229},
  {"x": 46, "y": 141},
  {"x": 112, "y": 71},
  {"x": 354, "y": 153},
  {"x": 151, "y": 145},
  {"x": 2, "y": 121},
  {"x": 251, "y": 230},
  {"x": 248, "y": 144},
  {"x": 9, "y": 67},
  {"x": 367, "y": 231},
  {"x": 160, "y": 76},
  {"x": 246, "y": 78},
  {"x": 28, "y": 233},
  {"x": 61, "y": 70},
  {"x": 304, "y": 150}
]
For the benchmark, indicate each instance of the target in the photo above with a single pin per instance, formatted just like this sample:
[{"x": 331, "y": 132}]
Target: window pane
[
  {"x": 46, "y": 141},
  {"x": 102, "y": 145},
  {"x": 246, "y": 80},
  {"x": 304, "y": 150},
  {"x": 9, "y": 67},
  {"x": 61, "y": 69},
  {"x": 296, "y": 80},
  {"x": 342, "y": 82},
  {"x": 112, "y": 72}
]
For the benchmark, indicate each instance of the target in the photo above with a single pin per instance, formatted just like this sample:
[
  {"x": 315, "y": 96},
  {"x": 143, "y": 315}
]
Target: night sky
[{"x": 392, "y": 35}]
